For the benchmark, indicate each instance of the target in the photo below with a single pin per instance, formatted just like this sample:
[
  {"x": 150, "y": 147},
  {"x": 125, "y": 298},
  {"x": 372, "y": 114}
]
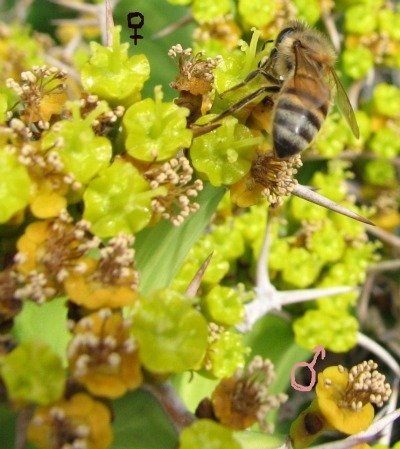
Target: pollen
[
  {"x": 276, "y": 176},
  {"x": 243, "y": 399},
  {"x": 103, "y": 355},
  {"x": 176, "y": 175}
]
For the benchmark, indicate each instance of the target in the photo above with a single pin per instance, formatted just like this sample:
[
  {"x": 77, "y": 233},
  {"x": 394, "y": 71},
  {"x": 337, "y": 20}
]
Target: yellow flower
[
  {"x": 243, "y": 399},
  {"x": 103, "y": 355},
  {"x": 76, "y": 422},
  {"x": 32, "y": 246},
  {"x": 111, "y": 281},
  {"x": 89, "y": 289},
  {"x": 332, "y": 388},
  {"x": 344, "y": 403},
  {"x": 246, "y": 192},
  {"x": 48, "y": 201}
]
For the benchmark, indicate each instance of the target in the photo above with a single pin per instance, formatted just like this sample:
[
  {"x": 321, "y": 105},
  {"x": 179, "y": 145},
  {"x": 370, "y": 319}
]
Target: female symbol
[{"x": 318, "y": 350}]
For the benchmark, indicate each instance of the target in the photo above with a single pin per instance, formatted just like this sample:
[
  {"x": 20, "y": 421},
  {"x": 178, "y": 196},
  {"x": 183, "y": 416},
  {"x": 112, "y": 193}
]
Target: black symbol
[{"x": 135, "y": 26}]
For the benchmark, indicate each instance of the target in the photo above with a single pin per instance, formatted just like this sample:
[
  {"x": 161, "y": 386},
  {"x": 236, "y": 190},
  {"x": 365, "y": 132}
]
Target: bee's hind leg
[{"x": 251, "y": 76}]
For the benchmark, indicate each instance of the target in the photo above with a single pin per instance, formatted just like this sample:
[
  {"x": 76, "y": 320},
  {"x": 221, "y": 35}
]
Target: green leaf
[
  {"x": 161, "y": 250},
  {"x": 257, "y": 440},
  {"x": 272, "y": 337},
  {"x": 46, "y": 323},
  {"x": 192, "y": 388},
  {"x": 140, "y": 423}
]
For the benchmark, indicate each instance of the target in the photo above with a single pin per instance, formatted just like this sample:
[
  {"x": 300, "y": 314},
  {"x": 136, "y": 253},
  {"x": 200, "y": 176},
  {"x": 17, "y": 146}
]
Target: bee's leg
[
  {"x": 245, "y": 101},
  {"x": 251, "y": 76}
]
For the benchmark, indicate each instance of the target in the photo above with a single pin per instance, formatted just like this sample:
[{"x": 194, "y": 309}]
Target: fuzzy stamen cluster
[
  {"x": 176, "y": 175},
  {"x": 251, "y": 395},
  {"x": 94, "y": 350},
  {"x": 276, "y": 175},
  {"x": 103, "y": 124},
  {"x": 34, "y": 85},
  {"x": 365, "y": 385}
]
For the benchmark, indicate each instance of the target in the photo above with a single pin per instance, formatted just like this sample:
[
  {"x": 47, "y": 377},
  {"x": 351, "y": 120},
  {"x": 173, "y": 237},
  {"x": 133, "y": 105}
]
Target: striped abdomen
[{"x": 301, "y": 108}]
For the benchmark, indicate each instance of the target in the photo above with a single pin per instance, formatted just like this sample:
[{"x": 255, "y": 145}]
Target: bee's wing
[
  {"x": 344, "y": 105},
  {"x": 305, "y": 71}
]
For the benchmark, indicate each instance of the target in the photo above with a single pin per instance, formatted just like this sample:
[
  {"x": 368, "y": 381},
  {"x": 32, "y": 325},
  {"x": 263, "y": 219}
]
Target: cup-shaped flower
[
  {"x": 243, "y": 399},
  {"x": 156, "y": 131},
  {"x": 171, "y": 333},
  {"x": 26, "y": 386},
  {"x": 112, "y": 74},
  {"x": 82, "y": 153},
  {"x": 119, "y": 200},
  {"x": 345, "y": 397},
  {"x": 110, "y": 280},
  {"x": 225, "y": 154},
  {"x": 343, "y": 402},
  {"x": 226, "y": 352},
  {"x": 78, "y": 421},
  {"x": 103, "y": 355}
]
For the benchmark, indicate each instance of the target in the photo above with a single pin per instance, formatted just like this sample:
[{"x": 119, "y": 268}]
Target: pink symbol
[{"x": 318, "y": 350}]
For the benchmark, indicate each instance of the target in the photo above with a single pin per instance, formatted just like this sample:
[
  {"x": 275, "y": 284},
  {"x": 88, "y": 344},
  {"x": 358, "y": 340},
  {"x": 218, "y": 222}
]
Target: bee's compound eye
[{"x": 283, "y": 34}]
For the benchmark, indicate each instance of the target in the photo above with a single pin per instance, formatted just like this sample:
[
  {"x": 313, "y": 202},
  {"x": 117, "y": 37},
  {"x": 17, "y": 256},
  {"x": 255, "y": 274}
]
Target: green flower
[
  {"x": 380, "y": 172},
  {"x": 336, "y": 331},
  {"x": 172, "y": 335},
  {"x": 357, "y": 61},
  {"x": 226, "y": 354},
  {"x": 223, "y": 305},
  {"x": 82, "y": 152},
  {"x": 257, "y": 13},
  {"x": 308, "y": 10},
  {"x": 156, "y": 130},
  {"x": 386, "y": 100},
  {"x": 207, "y": 10},
  {"x": 33, "y": 373},
  {"x": 385, "y": 143},
  {"x": 303, "y": 269},
  {"x": 118, "y": 200},
  {"x": 360, "y": 19},
  {"x": 112, "y": 75},
  {"x": 225, "y": 154}
]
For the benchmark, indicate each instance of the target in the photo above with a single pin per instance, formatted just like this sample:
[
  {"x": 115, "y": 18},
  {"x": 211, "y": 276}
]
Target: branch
[
  {"x": 391, "y": 362},
  {"x": 171, "y": 404},
  {"x": 362, "y": 437}
]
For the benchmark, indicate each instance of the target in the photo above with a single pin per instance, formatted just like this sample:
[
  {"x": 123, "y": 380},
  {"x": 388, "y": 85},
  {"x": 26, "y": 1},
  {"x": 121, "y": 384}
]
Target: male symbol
[
  {"x": 318, "y": 350},
  {"x": 135, "y": 26}
]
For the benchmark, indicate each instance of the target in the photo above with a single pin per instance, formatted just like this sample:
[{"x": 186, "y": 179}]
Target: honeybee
[{"x": 301, "y": 76}]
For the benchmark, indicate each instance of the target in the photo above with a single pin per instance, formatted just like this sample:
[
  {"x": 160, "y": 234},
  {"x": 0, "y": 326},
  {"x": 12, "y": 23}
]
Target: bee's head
[{"x": 311, "y": 41}]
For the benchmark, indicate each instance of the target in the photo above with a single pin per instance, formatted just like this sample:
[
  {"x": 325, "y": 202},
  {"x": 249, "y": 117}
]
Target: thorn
[
  {"x": 385, "y": 236},
  {"x": 194, "y": 285},
  {"x": 294, "y": 296},
  {"x": 183, "y": 21},
  {"x": 316, "y": 198}
]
